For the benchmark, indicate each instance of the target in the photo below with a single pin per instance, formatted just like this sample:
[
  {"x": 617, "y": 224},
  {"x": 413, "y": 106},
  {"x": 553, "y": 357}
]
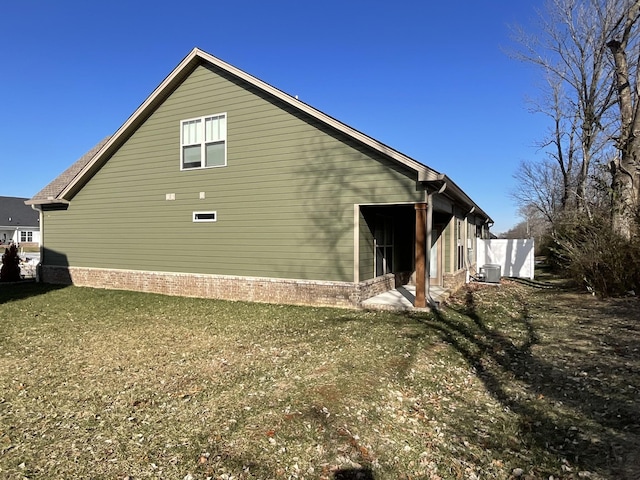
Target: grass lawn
[{"x": 515, "y": 381}]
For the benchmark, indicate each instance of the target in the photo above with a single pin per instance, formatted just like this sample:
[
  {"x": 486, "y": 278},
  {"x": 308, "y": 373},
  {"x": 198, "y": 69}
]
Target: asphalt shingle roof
[
  {"x": 53, "y": 189},
  {"x": 14, "y": 213}
]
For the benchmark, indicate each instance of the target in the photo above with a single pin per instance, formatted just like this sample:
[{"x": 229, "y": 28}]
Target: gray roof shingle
[
  {"x": 14, "y": 213},
  {"x": 53, "y": 189}
]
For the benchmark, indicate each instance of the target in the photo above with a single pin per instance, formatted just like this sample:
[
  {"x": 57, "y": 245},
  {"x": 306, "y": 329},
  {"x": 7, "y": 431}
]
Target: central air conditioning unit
[{"x": 490, "y": 273}]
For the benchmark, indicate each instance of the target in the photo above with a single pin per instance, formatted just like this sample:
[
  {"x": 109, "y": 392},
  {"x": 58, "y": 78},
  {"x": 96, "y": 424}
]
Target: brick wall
[
  {"x": 453, "y": 281},
  {"x": 376, "y": 286},
  {"x": 252, "y": 289}
]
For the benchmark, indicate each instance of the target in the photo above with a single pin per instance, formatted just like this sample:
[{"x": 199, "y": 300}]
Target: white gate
[{"x": 515, "y": 256}]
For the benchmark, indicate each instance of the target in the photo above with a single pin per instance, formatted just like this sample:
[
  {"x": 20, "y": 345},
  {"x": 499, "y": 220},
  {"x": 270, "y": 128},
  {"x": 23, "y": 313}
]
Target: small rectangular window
[
  {"x": 205, "y": 217},
  {"x": 203, "y": 142}
]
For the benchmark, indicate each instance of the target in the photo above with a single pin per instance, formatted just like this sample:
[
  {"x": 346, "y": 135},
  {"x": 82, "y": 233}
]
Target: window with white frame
[
  {"x": 26, "y": 236},
  {"x": 203, "y": 142}
]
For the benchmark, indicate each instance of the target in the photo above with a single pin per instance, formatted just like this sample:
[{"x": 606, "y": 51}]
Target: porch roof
[{"x": 443, "y": 185}]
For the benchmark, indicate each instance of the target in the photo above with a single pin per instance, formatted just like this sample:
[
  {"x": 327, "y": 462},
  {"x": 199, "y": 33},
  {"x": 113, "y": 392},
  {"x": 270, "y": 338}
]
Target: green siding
[
  {"x": 446, "y": 239},
  {"x": 284, "y": 202}
]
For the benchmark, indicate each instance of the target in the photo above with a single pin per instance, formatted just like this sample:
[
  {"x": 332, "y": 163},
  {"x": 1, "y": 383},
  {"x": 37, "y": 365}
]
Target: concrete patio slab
[{"x": 401, "y": 298}]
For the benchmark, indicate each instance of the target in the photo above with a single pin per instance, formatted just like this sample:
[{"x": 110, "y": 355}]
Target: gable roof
[
  {"x": 15, "y": 213},
  {"x": 63, "y": 188}
]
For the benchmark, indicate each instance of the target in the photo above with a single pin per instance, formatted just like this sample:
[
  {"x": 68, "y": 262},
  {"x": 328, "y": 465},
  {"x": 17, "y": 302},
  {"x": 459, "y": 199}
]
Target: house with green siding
[{"x": 229, "y": 188}]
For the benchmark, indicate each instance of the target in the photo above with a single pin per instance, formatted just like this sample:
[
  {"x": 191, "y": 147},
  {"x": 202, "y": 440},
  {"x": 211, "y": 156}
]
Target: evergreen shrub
[{"x": 10, "y": 271}]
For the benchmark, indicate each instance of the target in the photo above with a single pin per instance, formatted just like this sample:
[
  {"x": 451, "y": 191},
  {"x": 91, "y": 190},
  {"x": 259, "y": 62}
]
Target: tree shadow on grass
[
  {"x": 353, "y": 474},
  {"x": 580, "y": 403}
]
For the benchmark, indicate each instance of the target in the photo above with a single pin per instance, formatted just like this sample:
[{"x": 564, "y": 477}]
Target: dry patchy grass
[{"x": 504, "y": 382}]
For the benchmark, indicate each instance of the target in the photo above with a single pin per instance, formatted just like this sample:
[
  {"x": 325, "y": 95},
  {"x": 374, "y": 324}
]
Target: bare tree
[
  {"x": 540, "y": 188},
  {"x": 625, "y": 168},
  {"x": 560, "y": 143},
  {"x": 572, "y": 52},
  {"x": 589, "y": 51}
]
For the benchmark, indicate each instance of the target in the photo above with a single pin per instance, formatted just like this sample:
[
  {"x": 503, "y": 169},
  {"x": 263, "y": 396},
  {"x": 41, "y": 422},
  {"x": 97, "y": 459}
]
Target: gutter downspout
[
  {"x": 466, "y": 245},
  {"x": 430, "y": 300},
  {"x": 39, "y": 266}
]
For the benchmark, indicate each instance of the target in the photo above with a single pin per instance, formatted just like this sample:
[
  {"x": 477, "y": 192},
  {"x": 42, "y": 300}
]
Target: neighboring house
[
  {"x": 19, "y": 223},
  {"x": 220, "y": 185}
]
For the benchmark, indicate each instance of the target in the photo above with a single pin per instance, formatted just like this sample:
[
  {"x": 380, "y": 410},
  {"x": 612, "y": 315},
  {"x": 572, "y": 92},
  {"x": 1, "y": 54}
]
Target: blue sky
[{"x": 430, "y": 79}]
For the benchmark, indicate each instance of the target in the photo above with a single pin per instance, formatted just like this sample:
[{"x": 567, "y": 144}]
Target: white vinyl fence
[{"x": 515, "y": 256}]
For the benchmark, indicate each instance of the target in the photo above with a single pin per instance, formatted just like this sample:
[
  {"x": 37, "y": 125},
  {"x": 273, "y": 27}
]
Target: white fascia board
[
  {"x": 323, "y": 117},
  {"x": 455, "y": 192},
  {"x": 184, "y": 69},
  {"x": 48, "y": 201},
  {"x": 135, "y": 119}
]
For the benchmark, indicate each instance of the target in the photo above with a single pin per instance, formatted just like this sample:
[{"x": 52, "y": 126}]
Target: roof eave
[
  {"x": 300, "y": 105},
  {"x": 453, "y": 190},
  {"x": 47, "y": 201},
  {"x": 195, "y": 57},
  {"x": 133, "y": 122},
  {"x": 424, "y": 174}
]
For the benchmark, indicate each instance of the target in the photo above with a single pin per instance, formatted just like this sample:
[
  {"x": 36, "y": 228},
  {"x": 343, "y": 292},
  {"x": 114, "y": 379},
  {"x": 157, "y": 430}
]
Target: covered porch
[{"x": 393, "y": 239}]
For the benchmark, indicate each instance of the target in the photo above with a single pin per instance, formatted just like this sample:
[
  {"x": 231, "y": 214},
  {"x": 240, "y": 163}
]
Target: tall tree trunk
[
  {"x": 624, "y": 203},
  {"x": 625, "y": 169},
  {"x": 583, "y": 175},
  {"x": 565, "y": 166}
]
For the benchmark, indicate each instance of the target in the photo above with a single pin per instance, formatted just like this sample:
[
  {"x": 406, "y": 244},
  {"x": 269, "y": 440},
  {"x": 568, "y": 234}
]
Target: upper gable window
[{"x": 203, "y": 142}]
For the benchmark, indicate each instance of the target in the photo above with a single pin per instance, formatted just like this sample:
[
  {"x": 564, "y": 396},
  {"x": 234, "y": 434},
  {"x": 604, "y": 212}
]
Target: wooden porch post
[{"x": 421, "y": 257}]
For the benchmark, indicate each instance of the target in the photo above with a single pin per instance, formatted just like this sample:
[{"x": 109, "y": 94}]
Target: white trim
[
  {"x": 183, "y": 70},
  {"x": 205, "y": 220},
  {"x": 356, "y": 243},
  {"x": 384, "y": 204},
  {"x": 381, "y": 147},
  {"x": 194, "y": 58},
  {"x": 203, "y": 141}
]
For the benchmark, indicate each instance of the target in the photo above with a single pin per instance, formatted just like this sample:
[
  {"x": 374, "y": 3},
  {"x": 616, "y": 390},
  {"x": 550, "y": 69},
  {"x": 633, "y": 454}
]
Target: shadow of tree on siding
[{"x": 339, "y": 185}]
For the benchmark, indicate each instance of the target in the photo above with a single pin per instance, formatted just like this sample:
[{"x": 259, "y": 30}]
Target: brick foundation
[
  {"x": 223, "y": 287},
  {"x": 376, "y": 286},
  {"x": 454, "y": 281}
]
